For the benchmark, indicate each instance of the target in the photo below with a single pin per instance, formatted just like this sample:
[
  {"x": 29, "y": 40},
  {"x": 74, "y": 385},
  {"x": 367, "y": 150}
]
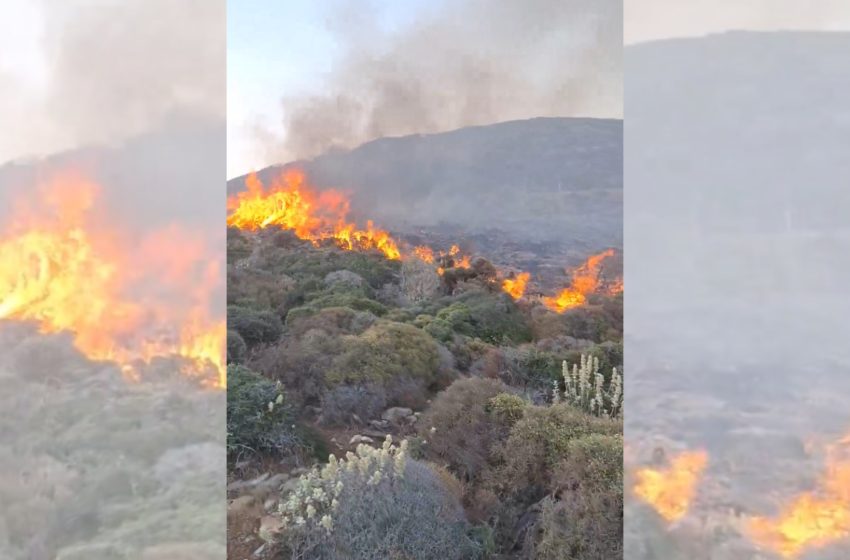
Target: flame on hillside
[
  {"x": 671, "y": 490},
  {"x": 63, "y": 272},
  {"x": 812, "y": 519},
  {"x": 291, "y": 203},
  {"x": 585, "y": 282},
  {"x": 515, "y": 287}
]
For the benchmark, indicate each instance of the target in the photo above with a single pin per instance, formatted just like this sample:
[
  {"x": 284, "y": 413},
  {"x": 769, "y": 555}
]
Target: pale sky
[
  {"x": 646, "y": 20},
  {"x": 279, "y": 48}
]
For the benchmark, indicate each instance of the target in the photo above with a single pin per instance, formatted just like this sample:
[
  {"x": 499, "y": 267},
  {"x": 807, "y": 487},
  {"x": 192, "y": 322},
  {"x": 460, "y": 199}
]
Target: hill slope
[{"x": 545, "y": 178}]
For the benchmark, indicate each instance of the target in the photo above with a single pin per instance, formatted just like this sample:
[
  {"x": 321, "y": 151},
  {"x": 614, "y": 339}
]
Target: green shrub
[
  {"x": 255, "y": 327},
  {"x": 464, "y": 422},
  {"x": 376, "y": 504},
  {"x": 528, "y": 458},
  {"x": 383, "y": 352},
  {"x": 493, "y": 318},
  {"x": 584, "y": 520},
  {"x": 507, "y": 408},
  {"x": 236, "y": 347},
  {"x": 258, "y": 417}
]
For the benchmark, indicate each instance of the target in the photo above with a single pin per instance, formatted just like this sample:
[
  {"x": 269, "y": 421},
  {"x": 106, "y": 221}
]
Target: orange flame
[
  {"x": 424, "y": 253},
  {"x": 65, "y": 274},
  {"x": 515, "y": 287},
  {"x": 670, "y": 491},
  {"x": 812, "y": 519},
  {"x": 290, "y": 203},
  {"x": 585, "y": 282}
]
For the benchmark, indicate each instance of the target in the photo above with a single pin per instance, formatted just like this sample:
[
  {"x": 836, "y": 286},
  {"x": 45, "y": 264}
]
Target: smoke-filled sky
[
  {"x": 646, "y": 20},
  {"x": 80, "y": 72},
  {"x": 311, "y": 75}
]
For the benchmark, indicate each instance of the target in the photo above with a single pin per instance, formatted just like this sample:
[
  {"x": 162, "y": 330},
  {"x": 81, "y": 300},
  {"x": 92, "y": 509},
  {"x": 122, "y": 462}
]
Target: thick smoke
[
  {"x": 114, "y": 69},
  {"x": 478, "y": 62}
]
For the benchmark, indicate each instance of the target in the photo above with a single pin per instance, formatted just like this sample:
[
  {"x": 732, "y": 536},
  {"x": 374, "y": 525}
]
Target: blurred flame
[
  {"x": 812, "y": 519},
  {"x": 671, "y": 490},
  {"x": 515, "y": 287},
  {"x": 65, "y": 274},
  {"x": 290, "y": 203},
  {"x": 585, "y": 282}
]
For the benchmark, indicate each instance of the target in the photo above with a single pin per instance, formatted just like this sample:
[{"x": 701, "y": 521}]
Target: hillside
[
  {"x": 426, "y": 349},
  {"x": 736, "y": 221},
  {"x": 541, "y": 179}
]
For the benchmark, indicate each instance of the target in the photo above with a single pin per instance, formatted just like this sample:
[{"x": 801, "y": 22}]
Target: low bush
[
  {"x": 583, "y": 519},
  {"x": 383, "y": 352},
  {"x": 537, "y": 444},
  {"x": 465, "y": 421},
  {"x": 255, "y": 327},
  {"x": 236, "y": 347},
  {"x": 258, "y": 417},
  {"x": 376, "y": 504}
]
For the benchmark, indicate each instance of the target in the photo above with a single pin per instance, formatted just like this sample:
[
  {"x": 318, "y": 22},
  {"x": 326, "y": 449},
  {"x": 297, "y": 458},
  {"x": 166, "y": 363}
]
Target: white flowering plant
[{"x": 376, "y": 503}]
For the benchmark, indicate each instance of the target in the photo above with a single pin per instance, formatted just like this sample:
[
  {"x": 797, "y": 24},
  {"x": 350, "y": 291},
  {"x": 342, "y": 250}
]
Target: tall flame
[
  {"x": 812, "y": 519},
  {"x": 671, "y": 490},
  {"x": 585, "y": 282},
  {"x": 515, "y": 287},
  {"x": 63, "y": 273},
  {"x": 290, "y": 203}
]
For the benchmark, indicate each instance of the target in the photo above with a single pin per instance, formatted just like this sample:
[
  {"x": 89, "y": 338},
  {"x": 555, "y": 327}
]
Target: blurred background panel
[
  {"x": 112, "y": 166},
  {"x": 737, "y": 230}
]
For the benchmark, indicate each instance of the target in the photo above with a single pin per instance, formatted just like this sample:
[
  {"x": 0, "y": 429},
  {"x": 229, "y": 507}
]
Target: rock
[
  {"x": 379, "y": 424},
  {"x": 270, "y": 504},
  {"x": 360, "y": 439},
  {"x": 396, "y": 414},
  {"x": 411, "y": 419},
  {"x": 241, "y": 504},
  {"x": 289, "y": 486},
  {"x": 270, "y": 527}
]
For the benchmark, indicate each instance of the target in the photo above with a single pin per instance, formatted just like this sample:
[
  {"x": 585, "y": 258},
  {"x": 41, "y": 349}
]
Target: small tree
[{"x": 585, "y": 388}]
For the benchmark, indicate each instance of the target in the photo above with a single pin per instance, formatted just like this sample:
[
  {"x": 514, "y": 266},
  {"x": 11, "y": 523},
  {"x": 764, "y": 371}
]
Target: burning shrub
[
  {"x": 375, "y": 504},
  {"x": 258, "y": 417},
  {"x": 255, "y": 327},
  {"x": 461, "y": 426}
]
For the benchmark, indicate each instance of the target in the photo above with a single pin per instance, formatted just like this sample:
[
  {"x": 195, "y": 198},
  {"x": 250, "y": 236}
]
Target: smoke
[
  {"x": 108, "y": 70},
  {"x": 657, "y": 19},
  {"x": 476, "y": 63}
]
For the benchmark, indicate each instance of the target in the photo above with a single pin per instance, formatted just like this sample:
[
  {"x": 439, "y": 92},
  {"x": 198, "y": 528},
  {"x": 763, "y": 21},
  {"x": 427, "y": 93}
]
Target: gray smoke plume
[
  {"x": 474, "y": 62},
  {"x": 114, "y": 69}
]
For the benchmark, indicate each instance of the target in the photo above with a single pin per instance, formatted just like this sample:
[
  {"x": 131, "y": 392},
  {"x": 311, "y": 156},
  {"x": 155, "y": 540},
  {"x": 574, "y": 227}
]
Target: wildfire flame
[
  {"x": 515, "y": 287},
  {"x": 585, "y": 282},
  {"x": 290, "y": 203},
  {"x": 812, "y": 519},
  {"x": 671, "y": 490},
  {"x": 66, "y": 274}
]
